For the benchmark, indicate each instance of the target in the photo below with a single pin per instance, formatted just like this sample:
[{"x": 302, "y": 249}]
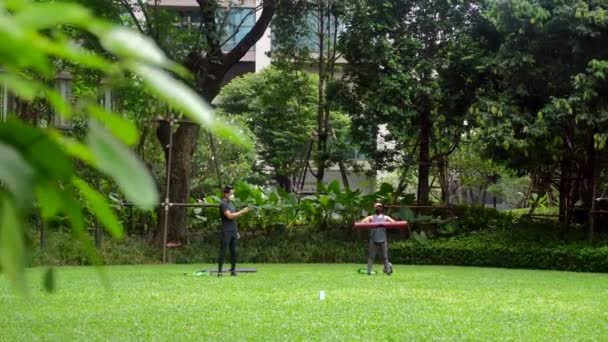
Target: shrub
[
  {"x": 297, "y": 246},
  {"x": 502, "y": 250},
  {"x": 61, "y": 250},
  {"x": 477, "y": 218},
  {"x": 528, "y": 244},
  {"x": 543, "y": 211}
]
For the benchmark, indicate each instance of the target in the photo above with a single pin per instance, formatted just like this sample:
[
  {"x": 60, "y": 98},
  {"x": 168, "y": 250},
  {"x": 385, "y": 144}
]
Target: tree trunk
[
  {"x": 564, "y": 190},
  {"x": 494, "y": 181},
  {"x": 424, "y": 158},
  {"x": 284, "y": 182},
  {"x": 322, "y": 131},
  {"x": 443, "y": 179},
  {"x": 41, "y": 225},
  {"x": 482, "y": 197},
  {"x": 183, "y": 147},
  {"x": 185, "y": 138},
  {"x": 472, "y": 197},
  {"x": 209, "y": 64},
  {"x": 344, "y": 174},
  {"x": 321, "y": 149},
  {"x": 575, "y": 192},
  {"x": 325, "y": 69},
  {"x": 592, "y": 185},
  {"x": 589, "y": 173}
]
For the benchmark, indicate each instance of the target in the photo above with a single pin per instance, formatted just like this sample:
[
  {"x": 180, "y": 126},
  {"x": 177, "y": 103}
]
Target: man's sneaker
[
  {"x": 390, "y": 269},
  {"x": 219, "y": 274},
  {"x": 233, "y": 273}
]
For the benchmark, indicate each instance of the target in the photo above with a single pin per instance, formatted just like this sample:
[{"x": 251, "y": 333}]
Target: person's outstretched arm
[
  {"x": 367, "y": 219},
  {"x": 231, "y": 216}
]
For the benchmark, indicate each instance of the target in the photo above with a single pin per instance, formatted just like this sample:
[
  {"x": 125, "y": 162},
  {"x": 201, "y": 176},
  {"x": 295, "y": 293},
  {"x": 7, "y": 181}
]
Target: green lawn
[{"x": 281, "y": 302}]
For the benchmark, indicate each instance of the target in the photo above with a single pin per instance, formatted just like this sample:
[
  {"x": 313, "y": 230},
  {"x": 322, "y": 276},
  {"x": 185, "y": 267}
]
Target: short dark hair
[{"x": 227, "y": 189}]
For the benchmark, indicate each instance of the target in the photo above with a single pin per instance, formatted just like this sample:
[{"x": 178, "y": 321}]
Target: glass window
[
  {"x": 309, "y": 37},
  {"x": 238, "y": 22}
]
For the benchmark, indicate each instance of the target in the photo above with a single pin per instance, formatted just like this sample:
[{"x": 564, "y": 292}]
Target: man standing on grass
[
  {"x": 230, "y": 233},
  {"x": 377, "y": 239}
]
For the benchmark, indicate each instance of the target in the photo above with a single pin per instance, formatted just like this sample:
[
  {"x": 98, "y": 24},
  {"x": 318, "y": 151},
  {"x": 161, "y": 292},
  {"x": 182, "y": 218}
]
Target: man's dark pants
[{"x": 227, "y": 239}]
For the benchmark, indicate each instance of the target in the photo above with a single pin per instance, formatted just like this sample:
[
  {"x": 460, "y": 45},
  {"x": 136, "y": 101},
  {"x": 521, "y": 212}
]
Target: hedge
[
  {"x": 470, "y": 251},
  {"x": 488, "y": 249}
]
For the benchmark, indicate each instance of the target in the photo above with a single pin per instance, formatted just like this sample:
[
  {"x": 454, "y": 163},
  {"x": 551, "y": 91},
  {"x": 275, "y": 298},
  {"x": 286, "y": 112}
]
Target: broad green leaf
[
  {"x": 334, "y": 187},
  {"x": 49, "y": 279},
  {"x": 16, "y": 4},
  {"x": 21, "y": 86},
  {"x": 49, "y": 159},
  {"x": 181, "y": 97},
  {"x": 386, "y": 189},
  {"x": 321, "y": 188},
  {"x": 312, "y": 198},
  {"x": 59, "y": 103},
  {"x": 273, "y": 197},
  {"x": 16, "y": 174},
  {"x": 293, "y": 199},
  {"x": 121, "y": 128},
  {"x": 24, "y": 56},
  {"x": 242, "y": 191},
  {"x": 75, "y": 148},
  {"x": 130, "y": 44},
  {"x": 99, "y": 206},
  {"x": 122, "y": 165},
  {"x": 324, "y": 200},
  {"x": 74, "y": 53},
  {"x": 49, "y": 200},
  {"x": 73, "y": 211},
  {"x": 51, "y": 14},
  {"x": 38, "y": 149},
  {"x": 406, "y": 214},
  {"x": 12, "y": 256}
]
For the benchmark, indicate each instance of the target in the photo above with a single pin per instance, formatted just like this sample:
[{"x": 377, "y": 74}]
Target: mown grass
[{"x": 281, "y": 302}]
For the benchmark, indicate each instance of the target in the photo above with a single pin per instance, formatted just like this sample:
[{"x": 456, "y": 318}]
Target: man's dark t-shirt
[{"x": 227, "y": 224}]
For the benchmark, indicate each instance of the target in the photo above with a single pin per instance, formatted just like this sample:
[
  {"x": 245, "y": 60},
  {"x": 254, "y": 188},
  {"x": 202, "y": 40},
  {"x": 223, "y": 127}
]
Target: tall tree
[
  {"x": 278, "y": 106},
  {"x": 201, "y": 49},
  {"x": 544, "y": 114},
  {"x": 306, "y": 36},
  {"x": 403, "y": 58}
]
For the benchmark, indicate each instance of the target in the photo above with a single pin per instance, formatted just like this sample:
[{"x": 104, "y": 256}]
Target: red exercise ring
[{"x": 387, "y": 225}]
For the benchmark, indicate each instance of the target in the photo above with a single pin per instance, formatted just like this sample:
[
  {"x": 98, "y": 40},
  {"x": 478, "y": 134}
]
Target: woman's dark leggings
[
  {"x": 372, "y": 254},
  {"x": 227, "y": 239}
]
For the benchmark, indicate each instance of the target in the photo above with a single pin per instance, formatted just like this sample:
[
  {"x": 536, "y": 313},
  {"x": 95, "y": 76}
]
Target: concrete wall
[{"x": 262, "y": 47}]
